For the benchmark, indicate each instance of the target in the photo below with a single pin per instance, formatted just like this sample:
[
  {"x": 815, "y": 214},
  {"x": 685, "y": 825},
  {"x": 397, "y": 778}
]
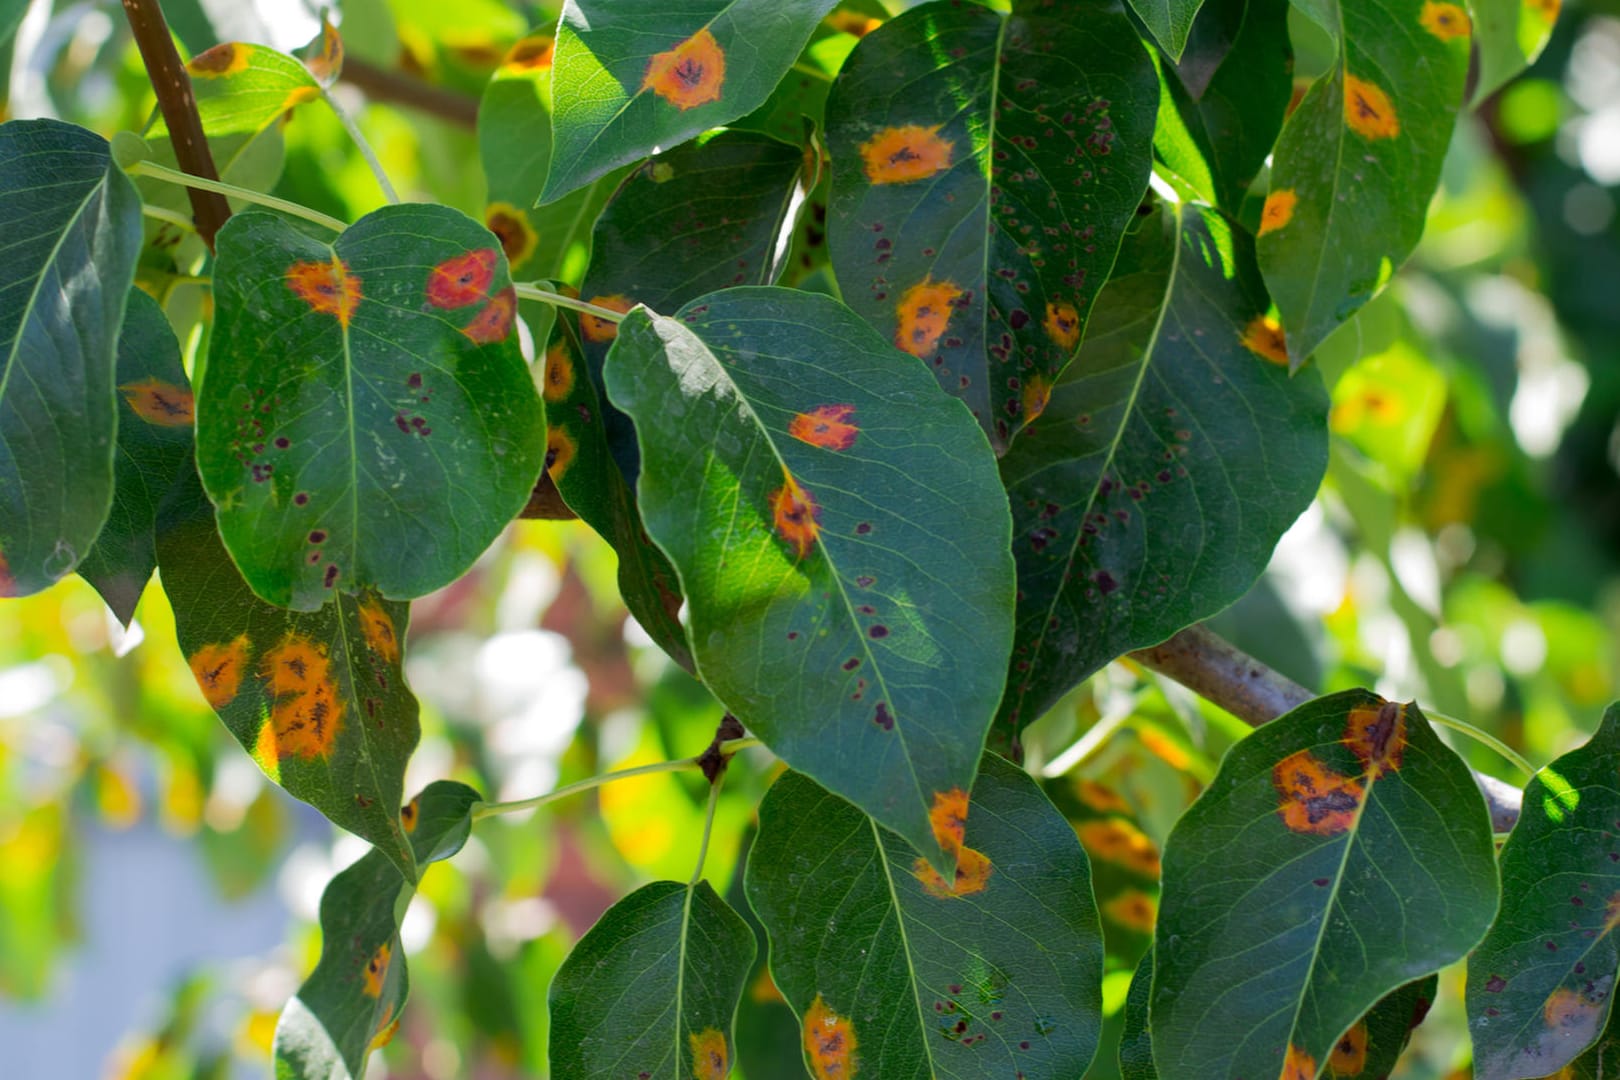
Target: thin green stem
[
  {"x": 169, "y": 217},
  {"x": 708, "y": 827},
  {"x": 1484, "y": 738},
  {"x": 531, "y": 291},
  {"x": 170, "y": 176},
  {"x": 362, "y": 145},
  {"x": 815, "y": 73}
]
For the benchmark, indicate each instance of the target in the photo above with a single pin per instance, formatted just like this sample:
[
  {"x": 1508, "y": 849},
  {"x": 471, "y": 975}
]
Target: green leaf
[
  {"x": 631, "y": 79},
  {"x": 1511, "y": 35},
  {"x": 352, "y": 1000},
  {"x": 1372, "y": 1045},
  {"x": 72, "y": 223},
  {"x": 243, "y": 89},
  {"x": 1359, "y": 159},
  {"x": 365, "y": 420},
  {"x": 154, "y": 454},
  {"x": 1169, "y": 21},
  {"x": 651, "y": 990},
  {"x": 1341, "y": 852},
  {"x": 984, "y": 167},
  {"x": 840, "y": 534},
  {"x": 318, "y": 700},
  {"x": 1136, "y": 1042},
  {"x": 892, "y": 975},
  {"x": 11, "y": 16},
  {"x": 768, "y": 1043},
  {"x": 1177, "y": 439},
  {"x": 1541, "y": 984}
]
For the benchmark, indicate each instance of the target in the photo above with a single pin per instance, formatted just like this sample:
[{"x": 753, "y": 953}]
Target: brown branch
[
  {"x": 1219, "y": 672},
  {"x": 381, "y": 84},
  {"x": 173, "y": 86}
]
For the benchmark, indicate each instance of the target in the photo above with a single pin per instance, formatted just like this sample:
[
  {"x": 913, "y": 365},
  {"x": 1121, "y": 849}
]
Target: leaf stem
[
  {"x": 708, "y": 827},
  {"x": 169, "y": 217},
  {"x": 531, "y": 291},
  {"x": 170, "y": 176},
  {"x": 1484, "y": 738},
  {"x": 362, "y": 145}
]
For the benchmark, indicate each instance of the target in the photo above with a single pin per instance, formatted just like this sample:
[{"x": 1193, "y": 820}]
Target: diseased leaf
[
  {"x": 632, "y": 79},
  {"x": 1177, "y": 439},
  {"x": 768, "y": 1042},
  {"x": 896, "y": 973},
  {"x": 154, "y": 453},
  {"x": 1510, "y": 35},
  {"x": 318, "y": 700},
  {"x": 838, "y": 607},
  {"x": 72, "y": 227},
  {"x": 1541, "y": 984},
  {"x": 1359, "y": 159},
  {"x": 1341, "y": 852},
  {"x": 1370, "y": 1047},
  {"x": 1169, "y": 21},
  {"x": 652, "y": 989},
  {"x": 365, "y": 419},
  {"x": 243, "y": 89},
  {"x": 351, "y": 1003},
  {"x": 983, "y": 168}
]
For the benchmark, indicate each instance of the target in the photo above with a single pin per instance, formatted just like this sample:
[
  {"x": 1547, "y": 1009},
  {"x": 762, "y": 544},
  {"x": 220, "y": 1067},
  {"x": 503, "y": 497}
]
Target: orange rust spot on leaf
[
  {"x": 327, "y": 287},
  {"x": 690, "y": 74},
  {"x": 596, "y": 329},
  {"x": 1134, "y": 909},
  {"x": 711, "y": 1060},
  {"x": 1447, "y": 22},
  {"x": 1278, "y": 211},
  {"x": 228, "y": 58},
  {"x": 377, "y": 969},
  {"x": 409, "y": 814},
  {"x": 378, "y": 629},
  {"x": 1036, "y": 396},
  {"x": 158, "y": 402},
  {"x": 298, "y": 95},
  {"x": 1377, "y": 737},
  {"x": 218, "y": 670},
  {"x": 948, "y": 818},
  {"x": 925, "y": 311},
  {"x": 1297, "y": 1065},
  {"x": 306, "y": 712},
  {"x": 511, "y": 227},
  {"x": 1315, "y": 799},
  {"x": 1118, "y": 841},
  {"x": 1368, "y": 110},
  {"x": 852, "y": 22},
  {"x": 1264, "y": 337},
  {"x": 973, "y": 871},
  {"x": 829, "y": 1040},
  {"x": 560, "y": 451},
  {"x": 461, "y": 280},
  {"x": 558, "y": 382},
  {"x": 385, "y": 1031},
  {"x": 1100, "y": 797},
  {"x": 494, "y": 322},
  {"x": 826, "y": 426},
  {"x": 1062, "y": 324},
  {"x": 533, "y": 53},
  {"x": 899, "y": 155},
  {"x": 1349, "y": 1057},
  {"x": 796, "y": 515}
]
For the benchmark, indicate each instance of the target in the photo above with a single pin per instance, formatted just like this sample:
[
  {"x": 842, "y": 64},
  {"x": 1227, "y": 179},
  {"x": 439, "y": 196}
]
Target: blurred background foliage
[{"x": 157, "y": 896}]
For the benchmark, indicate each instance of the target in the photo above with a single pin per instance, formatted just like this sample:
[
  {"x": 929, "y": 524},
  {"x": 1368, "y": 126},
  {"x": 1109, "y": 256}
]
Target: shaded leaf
[
  {"x": 72, "y": 223},
  {"x": 351, "y": 1002},
  {"x": 984, "y": 167},
  {"x": 1341, "y": 852},
  {"x": 1369, "y": 1049},
  {"x": 154, "y": 454},
  {"x": 652, "y": 988},
  {"x": 1169, "y": 21},
  {"x": 837, "y": 605},
  {"x": 1541, "y": 984},
  {"x": 1136, "y": 1044},
  {"x": 768, "y": 1042},
  {"x": 1177, "y": 439},
  {"x": 1510, "y": 35},
  {"x": 892, "y": 975},
  {"x": 365, "y": 419},
  {"x": 629, "y": 80}
]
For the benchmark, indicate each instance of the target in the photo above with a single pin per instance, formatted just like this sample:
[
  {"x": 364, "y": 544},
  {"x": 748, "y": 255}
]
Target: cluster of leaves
[{"x": 926, "y": 389}]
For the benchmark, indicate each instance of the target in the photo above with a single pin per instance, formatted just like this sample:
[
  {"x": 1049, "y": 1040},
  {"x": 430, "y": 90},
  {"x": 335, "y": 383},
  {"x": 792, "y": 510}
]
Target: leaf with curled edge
[
  {"x": 1541, "y": 985},
  {"x": 984, "y": 167},
  {"x": 840, "y": 536},
  {"x": 1176, "y": 439},
  {"x": 1341, "y": 852},
  {"x": 351, "y": 1002},
  {"x": 896, "y": 973}
]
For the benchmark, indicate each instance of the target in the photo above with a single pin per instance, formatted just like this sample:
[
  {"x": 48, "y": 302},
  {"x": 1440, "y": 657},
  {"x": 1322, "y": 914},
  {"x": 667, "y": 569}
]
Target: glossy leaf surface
[
  {"x": 630, "y": 79},
  {"x": 72, "y": 227},
  {"x": 365, "y": 420},
  {"x": 154, "y": 452},
  {"x": 318, "y": 700},
  {"x": 837, "y": 605},
  {"x": 352, "y": 1001},
  {"x": 1541, "y": 984},
  {"x": 896, "y": 974},
  {"x": 984, "y": 167},
  {"x": 1177, "y": 439},
  {"x": 652, "y": 989},
  {"x": 1169, "y": 21},
  {"x": 1341, "y": 852},
  {"x": 1359, "y": 159},
  {"x": 1511, "y": 35}
]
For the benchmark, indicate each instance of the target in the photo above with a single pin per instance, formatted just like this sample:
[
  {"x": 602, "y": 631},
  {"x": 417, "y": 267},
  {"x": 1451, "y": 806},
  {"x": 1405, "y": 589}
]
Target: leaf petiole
[
  {"x": 708, "y": 827},
  {"x": 531, "y": 291},
  {"x": 362, "y": 145},
  {"x": 171, "y": 176},
  {"x": 169, "y": 217},
  {"x": 1484, "y": 738}
]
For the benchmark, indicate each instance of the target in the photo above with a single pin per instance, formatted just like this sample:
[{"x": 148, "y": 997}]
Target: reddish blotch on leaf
[
  {"x": 826, "y": 426},
  {"x": 462, "y": 280},
  {"x": 796, "y": 515},
  {"x": 494, "y": 322},
  {"x": 327, "y": 287}
]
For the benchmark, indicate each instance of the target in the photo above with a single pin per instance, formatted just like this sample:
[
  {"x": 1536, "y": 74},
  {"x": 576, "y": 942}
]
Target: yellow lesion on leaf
[
  {"x": 558, "y": 381},
  {"x": 925, "y": 312},
  {"x": 1297, "y": 1065},
  {"x": 826, "y": 426},
  {"x": 1263, "y": 336},
  {"x": 1313, "y": 798},
  {"x": 560, "y": 451},
  {"x": 306, "y": 711},
  {"x": 1134, "y": 909},
  {"x": 511, "y": 227},
  {"x": 298, "y": 95},
  {"x": 899, "y": 155},
  {"x": 603, "y": 330},
  {"x": 830, "y": 1043},
  {"x": 410, "y": 814},
  {"x": 1447, "y": 22},
  {"x": 378, "y": 628},
  {"x": 218, "y": 670},
  {"x": 1118, "y": 841},
  {"x": 1037, "y": 394},
  {"x": 1062, "y": 324},
  {"x": 1349, "y": 1056},
  {"x": 1278, "y": 210},
  {"x": 533, "y": 53},
  {"x": 690, "y": 74},
  {"x": 711, "y": 1058},
  {"x": 386, "y": 1030},
  {"x": 796, "y": 515},
  {"x": 1368, "y": 110},
  {"x": 327, "y": 287},
  {"x": 227, "y": 58},
  {"x": 1377, "y": 736},
  {"x": 377, "y": 969}
]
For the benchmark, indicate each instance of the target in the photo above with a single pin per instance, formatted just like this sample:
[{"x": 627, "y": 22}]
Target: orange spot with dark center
[
  {"x": 378, "y": 628},
  {"x": 1377, "y": 736},
  {"x": 533, "y": 53},
  {"x": 306, "y": 711},
  {"x": 1278, "y": 210},
  {"x": 1314, "y": 798},
  {"x": 599, "y": 329},
  {"x": 826, "y": 426},
  {"x": 560, "y": 451},
  {"x": 1368, "y": 110},
  {"x": 377, "y": 970},
  {"x": 1133, "y": 909},
  {"x": 1297, "y": 1065},
  {"x": 1062, "y": 324},
  {"x": 899, "y": 155},
  {"x": 796, "y": 515},
  {"x": 327, "y": 287},
  {"x": 829, "y": 1040},
  {"x": 1037, "y": 394},
  {"x": 511, "y": 227},
  {"x": 218, "y": 670},
  {"x": 711, "y": 1059},
  {"x": 558, "y": 381},
  {"x": 1100, "y": 797},
  {"x": 1349, "y": 1056},
  {"x": 158, "y": 402},
  {"x": 925, "y": 311},
  {"x": 228, "y": 58},
  {"x": 948, "y": 819},
  {"x": 462, "y": 280},
  {"x": 494, "y": 322},
  {"x": 409, "y": 814},
  {"x": 1118, "y": 841},
  {"x": 1264, "y": 337},
  {"x": 690, "y": 74},
  {"x": 1447, "y": 22},
  {"x": 1568, "y": 1011}
]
